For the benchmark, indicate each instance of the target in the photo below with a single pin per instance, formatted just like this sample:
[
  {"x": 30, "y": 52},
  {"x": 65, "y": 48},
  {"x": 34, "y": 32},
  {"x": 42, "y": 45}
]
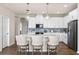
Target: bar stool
[
  {"x": 52, "y": 44},
  {"x": 22, "y": 43},
  {"x": 37, "y": 43}
]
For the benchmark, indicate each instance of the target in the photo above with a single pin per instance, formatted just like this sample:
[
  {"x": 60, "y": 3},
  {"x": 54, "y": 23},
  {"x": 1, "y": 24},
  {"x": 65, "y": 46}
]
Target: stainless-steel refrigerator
[{"x": 72, "y": 34}]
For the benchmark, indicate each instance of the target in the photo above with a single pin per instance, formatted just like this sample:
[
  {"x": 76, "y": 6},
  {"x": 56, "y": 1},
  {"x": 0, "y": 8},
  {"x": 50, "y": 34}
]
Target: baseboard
[
  {"x": 63, "y": 43},
  {"x": 11, "y": 44},
  {"x": 43, "y": 51}
]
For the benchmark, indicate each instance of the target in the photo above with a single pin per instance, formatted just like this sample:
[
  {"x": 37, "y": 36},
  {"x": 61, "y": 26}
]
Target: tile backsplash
[{"x": 47, "y": 30}]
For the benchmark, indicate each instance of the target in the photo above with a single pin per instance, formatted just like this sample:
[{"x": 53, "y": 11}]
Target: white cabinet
[
  {"x": 63, "y": 37},
  {"x": 35, "y": 20},
  {"x": 31, "y": 25},
  {"x": 54, "y": 22},
  {"x": 39, "y": 19},
  {"x": 31, "y": 22},
  {"x": 66, "y": 21},
  {"x": 73, "y": 15},
  {"x": 46, "y": 23}
]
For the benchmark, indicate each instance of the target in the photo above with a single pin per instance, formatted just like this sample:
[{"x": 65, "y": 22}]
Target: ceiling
[{"x": 40, "y": 8}]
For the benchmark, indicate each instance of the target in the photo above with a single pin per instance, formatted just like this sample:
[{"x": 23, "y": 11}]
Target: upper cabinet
[
  {"x": 35, "y": 20},
  {"x": 39, "y": 19},
  {"x": 66, "y": 21},
  {"x": 52, "y": 22},
  {"x": 73, "y": 15},
  {"x": 31, "y": 22}
]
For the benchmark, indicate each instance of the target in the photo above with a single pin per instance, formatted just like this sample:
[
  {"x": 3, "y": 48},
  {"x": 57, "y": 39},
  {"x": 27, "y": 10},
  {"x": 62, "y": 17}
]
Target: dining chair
[
  {"x": 37, "y": 43},
  {"x": 52, "y": 44},
  {"x": 22, "y": 43}
]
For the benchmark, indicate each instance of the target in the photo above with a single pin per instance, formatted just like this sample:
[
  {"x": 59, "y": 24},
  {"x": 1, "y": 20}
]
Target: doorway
[{"x": 5, "y": 31}]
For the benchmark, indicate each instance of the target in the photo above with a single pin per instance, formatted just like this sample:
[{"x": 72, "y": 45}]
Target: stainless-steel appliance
[
  {"x": 39, "y": 29},
  {"x": 72, "y": 34},
  {"x": 39, "y": 25}
]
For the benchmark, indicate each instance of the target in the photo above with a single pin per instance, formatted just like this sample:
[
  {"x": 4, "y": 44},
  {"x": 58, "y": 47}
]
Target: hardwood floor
[{"x": 61, "y": 50}]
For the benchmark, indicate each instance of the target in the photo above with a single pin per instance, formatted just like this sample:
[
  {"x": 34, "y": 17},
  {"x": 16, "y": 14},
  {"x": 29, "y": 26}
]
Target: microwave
[{"x": 39, "y": 25}]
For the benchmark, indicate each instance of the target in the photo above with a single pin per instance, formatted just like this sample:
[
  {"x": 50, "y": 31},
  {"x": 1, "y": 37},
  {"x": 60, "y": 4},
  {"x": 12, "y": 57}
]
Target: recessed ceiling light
[
  {"x": 27, "y": 10},
  {"x": 65, "y": 5},
  {"x": 43, "y": 12},
  {"x": 57, "y": 12}
]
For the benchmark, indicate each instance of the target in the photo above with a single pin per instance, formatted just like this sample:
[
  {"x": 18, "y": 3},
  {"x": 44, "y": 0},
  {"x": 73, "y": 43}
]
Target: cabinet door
[
  {"x": 46, "y": 23},
  {"x": 64, "y": 38},
  {"x": 31, "y": 23}
]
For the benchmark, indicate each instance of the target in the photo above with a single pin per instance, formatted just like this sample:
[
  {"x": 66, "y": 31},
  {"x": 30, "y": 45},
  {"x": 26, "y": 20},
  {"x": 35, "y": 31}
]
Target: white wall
[
  {"x": 52, "y": 22},
  {"x": 0, "y": 33},
  {"x": 78, "y": 29},
  {"x": 17, "y": 25},
  {"x": 24, "y": 23},
  {"x": 12, "y": 30},
  {"x": 7, "y": 12}
]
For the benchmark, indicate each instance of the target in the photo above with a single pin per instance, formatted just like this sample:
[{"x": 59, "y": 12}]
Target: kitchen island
[{"x": 61, "y": 37}]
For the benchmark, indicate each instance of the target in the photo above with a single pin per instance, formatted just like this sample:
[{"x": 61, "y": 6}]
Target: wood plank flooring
[{"x": 61, "y": 50}]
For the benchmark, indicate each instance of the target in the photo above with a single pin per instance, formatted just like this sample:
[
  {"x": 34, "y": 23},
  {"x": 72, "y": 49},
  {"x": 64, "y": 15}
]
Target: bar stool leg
[
  {"x": 41, "y": 50},
  {"x": 48, "y": 49},
  {"x": 33, "y": 51},
  {"x": 28, "y": 47}
]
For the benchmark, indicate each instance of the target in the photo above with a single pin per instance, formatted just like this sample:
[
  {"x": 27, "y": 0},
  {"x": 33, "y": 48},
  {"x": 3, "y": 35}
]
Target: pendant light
[
  {"x": 27, "y": 11},
  {"x": 47, "y": 16},
  {"x": 27, "y": 15}
]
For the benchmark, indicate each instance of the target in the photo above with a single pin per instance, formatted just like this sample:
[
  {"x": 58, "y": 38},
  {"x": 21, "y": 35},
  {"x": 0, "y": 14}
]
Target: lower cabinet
[{"x": 63, "y": 37}]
